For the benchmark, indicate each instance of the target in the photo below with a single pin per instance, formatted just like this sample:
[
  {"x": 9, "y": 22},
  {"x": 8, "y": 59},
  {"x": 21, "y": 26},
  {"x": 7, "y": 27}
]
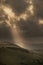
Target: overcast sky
[
  {"x": 30, "y": 13},
  {"x": 33, "y": 25}
]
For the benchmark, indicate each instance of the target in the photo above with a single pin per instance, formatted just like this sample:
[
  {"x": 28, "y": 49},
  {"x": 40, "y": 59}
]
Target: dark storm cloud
[
  {"x": 19, "y": 6},
  {"x": 30, "y": 28},
  {"x": 38, "y": 8},
  {"x": 34, "y": 29},
  {"x": 5, "y": 32}
]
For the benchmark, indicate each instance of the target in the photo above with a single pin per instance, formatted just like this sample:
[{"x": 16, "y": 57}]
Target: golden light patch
[
  {"x": 8, "y": 23},
  {"x": 8, "y": 11},
  {"x": 30, "y": 8},
  {"x": 20, "y": 44},
  {"x": 11, "y": 14},
  {"x": 23, "y": 16},
  {"x": 40, "y": 21}
]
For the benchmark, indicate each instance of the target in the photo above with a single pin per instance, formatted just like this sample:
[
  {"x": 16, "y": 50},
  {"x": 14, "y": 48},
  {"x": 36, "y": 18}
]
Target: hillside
[{"x": 19, "y": 56}]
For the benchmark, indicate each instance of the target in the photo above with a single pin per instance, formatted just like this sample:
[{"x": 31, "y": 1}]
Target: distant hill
[
  {"x": 19, "y": 56},
  {"x": 5, "y": 44}
]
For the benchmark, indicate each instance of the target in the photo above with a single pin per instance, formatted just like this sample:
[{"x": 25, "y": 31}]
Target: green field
[{"x": 19, "y": 56}]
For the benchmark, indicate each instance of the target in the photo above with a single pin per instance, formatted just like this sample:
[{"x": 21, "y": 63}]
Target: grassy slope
[{"x": 18, "y": 56}]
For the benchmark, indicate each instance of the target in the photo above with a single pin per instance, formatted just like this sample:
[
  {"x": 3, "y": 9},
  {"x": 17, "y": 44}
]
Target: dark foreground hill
[{"x": 19, "y": 56}]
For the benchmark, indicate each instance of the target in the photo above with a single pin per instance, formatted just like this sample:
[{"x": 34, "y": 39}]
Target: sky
[{"x": 25, "y": 18}]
